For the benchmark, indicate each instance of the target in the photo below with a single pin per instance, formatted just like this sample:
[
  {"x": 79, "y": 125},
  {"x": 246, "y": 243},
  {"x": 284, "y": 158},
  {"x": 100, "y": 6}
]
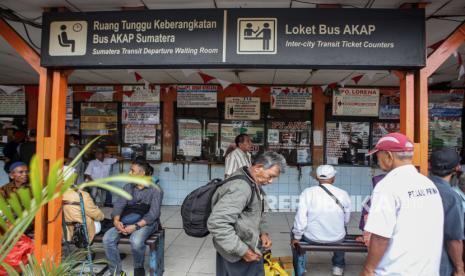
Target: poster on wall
[
  {"x": 382, "y": 128},
  {"x": 99, "y": 119},
  {"x": 197, "y": 96},
  {"x": 99, "y": 112},
  {"x": 101, "y": 97},
  {"x": 140, "y": 134},
  {"x": 347, "y": 143},
  {"x": 291, "y": 98},
  {"x": 445, "y": 123},
  {"x": 140, "y": 94},
  {"x": 389, "y": 112},
  {"x": 356, "y": 102},
  {"x": 153, "y": 152},
  {"x": 242, "y": 108},
  {"x": 12, "y": 100},
  {"x": 291, "y": 139},
  {"x": 69, "y": 104},
  {"x": 189, "y": 138},
  {"x": 141, "y": 113}
]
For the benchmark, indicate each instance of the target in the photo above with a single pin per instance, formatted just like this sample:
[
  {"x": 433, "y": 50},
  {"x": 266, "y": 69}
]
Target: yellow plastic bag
[{"x": 273, "y": 268}]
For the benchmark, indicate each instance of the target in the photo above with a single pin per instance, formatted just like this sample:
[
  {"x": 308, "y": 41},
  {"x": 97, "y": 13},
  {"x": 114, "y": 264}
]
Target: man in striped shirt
[{"x": 239, "y": 157}]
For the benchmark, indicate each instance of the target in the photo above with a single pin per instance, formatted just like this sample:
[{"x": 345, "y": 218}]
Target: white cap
[{"x": 325, "y": 172}]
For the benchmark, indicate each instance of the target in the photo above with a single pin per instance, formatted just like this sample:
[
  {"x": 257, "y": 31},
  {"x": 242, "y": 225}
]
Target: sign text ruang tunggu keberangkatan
[{"x": 277, "y": 38}]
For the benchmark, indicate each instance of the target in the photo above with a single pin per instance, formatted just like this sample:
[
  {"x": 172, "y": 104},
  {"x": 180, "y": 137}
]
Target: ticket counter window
[
  {"x": 255, "y": 129},
  {"x": 291, "y": 139},
  {"x": 347, "y": 143},
  {"x": 189, "y": 146}
]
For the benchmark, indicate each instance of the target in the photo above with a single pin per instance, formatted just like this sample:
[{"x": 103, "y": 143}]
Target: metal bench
[
  {"x": 349, "y": 244},
  {"x": 156, "y": 244}
]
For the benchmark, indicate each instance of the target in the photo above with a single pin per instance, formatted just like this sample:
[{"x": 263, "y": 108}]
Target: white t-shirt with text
[{"x": 407, "y": 208}]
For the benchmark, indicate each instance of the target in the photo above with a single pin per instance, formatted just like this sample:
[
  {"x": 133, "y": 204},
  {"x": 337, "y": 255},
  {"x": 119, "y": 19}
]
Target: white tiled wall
[{"x": 355, "y": 180}]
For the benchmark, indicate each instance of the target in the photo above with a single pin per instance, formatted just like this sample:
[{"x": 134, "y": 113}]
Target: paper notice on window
[
  {"x": 242, "y": 108},
  {"x": 356, "y": 102}
]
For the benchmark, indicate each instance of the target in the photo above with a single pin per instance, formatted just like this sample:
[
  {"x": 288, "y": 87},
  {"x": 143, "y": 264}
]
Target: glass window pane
[
  {"x": 347, "y": 143},
  {"x": 255, "y": 129},
  {"x": 291, "y": 139},
  {"x": 210, "y": 149},
  {"x": 189, "y": 138}
]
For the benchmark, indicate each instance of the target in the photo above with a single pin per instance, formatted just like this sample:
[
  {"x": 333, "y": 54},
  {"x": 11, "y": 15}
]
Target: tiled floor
[{"x": 186, "y": 256}]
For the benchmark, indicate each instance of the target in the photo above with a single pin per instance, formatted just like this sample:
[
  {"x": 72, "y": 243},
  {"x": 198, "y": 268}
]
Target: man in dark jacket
[
  {"x": 10, "y": 151},
  {"x": 444, "y": 163},
  {"x": 237, "y": 222},
  {"x": 28, "y": 148}
]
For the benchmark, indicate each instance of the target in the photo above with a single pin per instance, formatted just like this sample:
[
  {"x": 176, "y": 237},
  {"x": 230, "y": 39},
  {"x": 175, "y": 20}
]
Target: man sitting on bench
[
  {"x": 321, "y": 217},
  {"x": 137, "y": 218}
]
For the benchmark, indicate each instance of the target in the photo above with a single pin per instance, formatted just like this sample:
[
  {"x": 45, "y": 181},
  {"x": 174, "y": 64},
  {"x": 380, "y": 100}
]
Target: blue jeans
[
  {"x": 137, "y": 239},
  {"x": 108, "y": 195},
  {"x": 131, "y": 218},
  {"x": 300, "y": 260}
]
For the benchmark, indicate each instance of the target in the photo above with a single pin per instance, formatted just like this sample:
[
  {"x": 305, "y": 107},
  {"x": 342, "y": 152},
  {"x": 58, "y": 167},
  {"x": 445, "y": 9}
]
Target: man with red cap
[{"x": 406, "y": 215}]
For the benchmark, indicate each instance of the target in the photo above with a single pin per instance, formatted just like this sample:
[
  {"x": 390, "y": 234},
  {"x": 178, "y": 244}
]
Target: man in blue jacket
[{"x": 444, "y": 163}]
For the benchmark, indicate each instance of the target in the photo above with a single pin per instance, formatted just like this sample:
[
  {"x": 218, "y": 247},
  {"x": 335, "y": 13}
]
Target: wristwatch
[{"x": 137, "y": 226}]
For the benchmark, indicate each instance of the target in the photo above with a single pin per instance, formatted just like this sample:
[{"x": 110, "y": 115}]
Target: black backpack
[
  {"x": 79, "y": 236},
  {"x": 197, "y": 206}
]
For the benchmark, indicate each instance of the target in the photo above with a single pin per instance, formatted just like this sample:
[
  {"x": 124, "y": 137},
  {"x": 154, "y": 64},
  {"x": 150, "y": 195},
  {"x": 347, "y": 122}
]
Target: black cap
[{"x": 444, "y": 160}]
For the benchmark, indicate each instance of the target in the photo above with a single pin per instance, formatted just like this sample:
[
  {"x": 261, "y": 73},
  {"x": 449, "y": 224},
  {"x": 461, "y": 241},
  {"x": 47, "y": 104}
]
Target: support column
[
  {"x": 421, "y": 118},
  {"x": 407, "y": 110},
  {"x": 319, "y": 101},
  {"x": 50, "y": 149},
  {"x": 168, "y": 99},
  {"x": 407, "y": 103}
]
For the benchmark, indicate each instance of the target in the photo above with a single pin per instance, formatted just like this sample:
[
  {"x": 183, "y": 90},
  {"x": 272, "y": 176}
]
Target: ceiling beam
[
  {"x": 17, "y": 42},
  {"x": 414, "y": 5},
  {"x": 447, "y": 48}
]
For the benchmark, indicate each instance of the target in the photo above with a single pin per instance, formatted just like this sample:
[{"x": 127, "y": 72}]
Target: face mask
[{"x": 72, "y": 144}]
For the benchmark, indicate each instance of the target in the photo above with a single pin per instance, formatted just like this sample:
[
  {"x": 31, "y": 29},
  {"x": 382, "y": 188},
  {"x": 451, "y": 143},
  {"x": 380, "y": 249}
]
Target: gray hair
[
  {"x": 270, "y": 159},
  {"x": 403, "y": 155}
]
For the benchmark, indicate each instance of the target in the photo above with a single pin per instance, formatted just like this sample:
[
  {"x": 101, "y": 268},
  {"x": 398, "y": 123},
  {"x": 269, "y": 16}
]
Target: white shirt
[
  {"x": 407, "y": 208},
  {"x": 319, "y": 218},
  {"x": 235, "y": 160},
  {"x": 97, "y": 169}
]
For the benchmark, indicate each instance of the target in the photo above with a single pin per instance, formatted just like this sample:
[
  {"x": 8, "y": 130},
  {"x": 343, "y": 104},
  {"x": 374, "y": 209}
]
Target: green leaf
[
  {"x": 142, "y": 180},
  {"x": 9, "y": 269},
  {"x": 53, "y": 179},
  {"x": 15, "y": 204},
  {"x": 36, "y": 182},
  {"x": 25, "y": 196},
  {"x": 6, "y": 210},
  {"x": 3, "y": 224},
  {"x": 68, "y": 183},
  {"x": 108, "y": 187}
]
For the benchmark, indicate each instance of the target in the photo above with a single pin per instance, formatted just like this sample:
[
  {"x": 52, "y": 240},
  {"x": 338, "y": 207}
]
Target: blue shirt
[
  {"x": 148, "y": 195},
  {"x": 461, "y": 194},
  {"x": 453, "y": 221}
]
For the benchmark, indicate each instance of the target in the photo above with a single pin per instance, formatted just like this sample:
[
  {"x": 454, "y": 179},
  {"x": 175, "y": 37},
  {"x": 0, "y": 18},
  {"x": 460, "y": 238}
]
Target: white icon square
[
  {"x": 68, "y": 38},
  {"x": 256, "y": 35}
]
